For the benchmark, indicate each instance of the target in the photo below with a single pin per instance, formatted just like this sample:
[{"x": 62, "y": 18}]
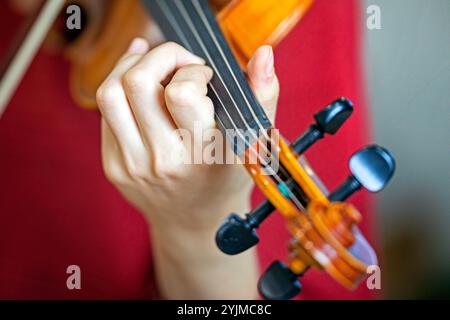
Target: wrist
[
  {"x": 187, "y": 258},
  {"x": 198, "y": 226},
  {"x": 200, "y": 217}
]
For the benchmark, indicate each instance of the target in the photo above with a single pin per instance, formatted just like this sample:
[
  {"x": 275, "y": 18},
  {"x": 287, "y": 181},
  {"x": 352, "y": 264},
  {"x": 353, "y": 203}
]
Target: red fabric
[{"x": 57, "y": 209}]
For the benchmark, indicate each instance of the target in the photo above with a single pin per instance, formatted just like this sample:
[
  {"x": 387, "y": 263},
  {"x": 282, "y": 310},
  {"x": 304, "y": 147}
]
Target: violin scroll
[
  {"x": 323, "y": 228},
  {"x": 372, "y": 167}
]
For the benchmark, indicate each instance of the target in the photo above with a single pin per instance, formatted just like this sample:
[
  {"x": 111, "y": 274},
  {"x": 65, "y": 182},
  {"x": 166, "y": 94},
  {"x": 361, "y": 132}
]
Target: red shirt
[{"x": 57, "y": 209}]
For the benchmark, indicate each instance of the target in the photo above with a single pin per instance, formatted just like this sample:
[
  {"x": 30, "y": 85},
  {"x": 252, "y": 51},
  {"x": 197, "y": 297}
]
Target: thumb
[{"x": 263, "y": 80}]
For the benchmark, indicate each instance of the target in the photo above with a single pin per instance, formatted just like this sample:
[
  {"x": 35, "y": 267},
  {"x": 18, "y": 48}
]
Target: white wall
[{"x": 408, "y": 73}]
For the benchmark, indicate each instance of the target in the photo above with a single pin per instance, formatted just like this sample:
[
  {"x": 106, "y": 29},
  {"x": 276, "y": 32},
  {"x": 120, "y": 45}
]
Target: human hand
[{"x": 145, "y": 99}]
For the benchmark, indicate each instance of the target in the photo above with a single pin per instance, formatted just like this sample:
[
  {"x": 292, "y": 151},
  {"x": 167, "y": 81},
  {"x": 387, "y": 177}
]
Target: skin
[{"x": 144, "y": 100}]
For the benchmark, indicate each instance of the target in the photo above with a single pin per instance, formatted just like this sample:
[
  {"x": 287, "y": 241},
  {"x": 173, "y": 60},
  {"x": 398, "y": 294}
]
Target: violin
[{"x": 323, "y": 226}]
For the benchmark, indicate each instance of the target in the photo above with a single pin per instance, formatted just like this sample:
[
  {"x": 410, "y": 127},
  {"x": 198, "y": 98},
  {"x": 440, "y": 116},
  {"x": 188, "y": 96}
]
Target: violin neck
[{"x": 193, "y": 25}]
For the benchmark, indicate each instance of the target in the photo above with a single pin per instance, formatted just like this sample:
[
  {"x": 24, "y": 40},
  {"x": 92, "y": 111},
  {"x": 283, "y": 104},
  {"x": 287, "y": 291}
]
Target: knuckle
[
  {"x": 170, "y": 45},
  {"x": 166, "y": 48},
  {"x": 113, "y": 175},
  {"x": 269, "y": 97},
  {"x": 208, "y": 107},
  {"x": 180, "y": 92},
  {"x": 108, "y": 93},
  {"x": 164, "y": 170},
  {"x": 134, "y": 79},
  {"x": 138, "y": 171}
]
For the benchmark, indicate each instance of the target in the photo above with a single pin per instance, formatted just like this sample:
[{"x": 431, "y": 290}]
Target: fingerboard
[{"x": 193, "y": 25}]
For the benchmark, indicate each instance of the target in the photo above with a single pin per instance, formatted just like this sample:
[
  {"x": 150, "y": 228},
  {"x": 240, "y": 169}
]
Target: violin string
[
  {"x": 250, "y": 147},
  {"x": 205, "y": 21},
  {"x": 205, "y": 50},
  {"x": 180, "y": 33},
  {"x": 227, "y": 63}
]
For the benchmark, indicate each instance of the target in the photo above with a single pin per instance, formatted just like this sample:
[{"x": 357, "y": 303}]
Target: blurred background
[{"x": 408, "y": 77}]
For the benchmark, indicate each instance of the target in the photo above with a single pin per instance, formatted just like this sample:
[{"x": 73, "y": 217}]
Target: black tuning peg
[
  {"x": 371, "y": 168},
  {"x": 238, "y": 234},
  {"x": 328, "y": 121},
  {"x": 278, "y": 282}
]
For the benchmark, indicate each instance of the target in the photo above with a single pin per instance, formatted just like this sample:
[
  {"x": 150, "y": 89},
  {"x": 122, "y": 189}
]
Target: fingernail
[
  {"x": 138, "y": 46},
  {"x": 270, "y": 67}
]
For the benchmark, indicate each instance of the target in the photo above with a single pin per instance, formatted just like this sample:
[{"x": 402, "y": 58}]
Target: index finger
[{"x": 165, "y": 59}]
